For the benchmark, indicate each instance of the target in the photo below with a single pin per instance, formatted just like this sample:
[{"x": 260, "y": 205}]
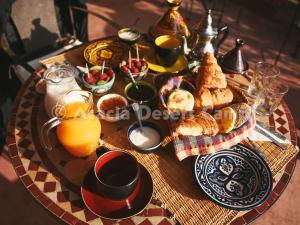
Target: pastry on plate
[
  {"x": 221, "y": 97},
  {"x": 243, "y": 112},
  {"x": 203, "y": 100},
  {"x": 180, "y": 101},
  {"x": 226, "y": 118},
  {"x": 201, "y": 124},
  {"x": 210, "y": 74}
]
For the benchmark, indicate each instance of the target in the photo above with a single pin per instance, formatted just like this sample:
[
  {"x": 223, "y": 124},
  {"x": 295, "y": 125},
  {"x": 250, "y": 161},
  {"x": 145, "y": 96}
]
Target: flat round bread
[
  {"x": 180, "y": 101},
  {"x": 243, "y": 112},
  {"x": 225, "y": 118}
]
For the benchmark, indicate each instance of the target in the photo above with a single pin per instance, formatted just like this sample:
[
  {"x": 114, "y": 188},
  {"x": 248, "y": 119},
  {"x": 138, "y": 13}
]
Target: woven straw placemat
[{"x": 175, "y": 185}]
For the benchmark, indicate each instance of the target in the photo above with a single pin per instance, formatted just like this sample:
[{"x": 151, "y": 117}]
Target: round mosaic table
[{"x": 54, "y": 179}]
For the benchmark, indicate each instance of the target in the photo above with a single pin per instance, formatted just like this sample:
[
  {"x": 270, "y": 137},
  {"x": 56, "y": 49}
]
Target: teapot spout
[{"x": 186, "y": 49}]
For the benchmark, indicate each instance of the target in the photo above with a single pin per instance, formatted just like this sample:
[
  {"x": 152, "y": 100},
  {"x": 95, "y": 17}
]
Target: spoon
[
  {"x": 136, "y": 109},
  {"x": 133, "y": 80}
]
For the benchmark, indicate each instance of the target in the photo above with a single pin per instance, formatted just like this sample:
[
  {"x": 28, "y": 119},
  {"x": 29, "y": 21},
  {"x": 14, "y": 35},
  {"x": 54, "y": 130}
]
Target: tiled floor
[{"x": 263, "y": 39}]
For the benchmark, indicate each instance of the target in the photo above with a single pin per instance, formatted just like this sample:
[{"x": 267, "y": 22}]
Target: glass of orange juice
[{"x": 78, "y": 129}]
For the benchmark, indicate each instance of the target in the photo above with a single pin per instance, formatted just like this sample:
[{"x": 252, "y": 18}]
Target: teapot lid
[
  {"x": 171, "y": 23},
  {"x": 206, "y": 25},
  {"x": 233, "y": 61},
  {"x": 56, "y": 73}
]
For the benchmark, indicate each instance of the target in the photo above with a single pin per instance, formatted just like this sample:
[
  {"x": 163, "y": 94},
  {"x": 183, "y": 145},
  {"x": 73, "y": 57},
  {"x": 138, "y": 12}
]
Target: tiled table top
[{"x": 48, "y": 185}]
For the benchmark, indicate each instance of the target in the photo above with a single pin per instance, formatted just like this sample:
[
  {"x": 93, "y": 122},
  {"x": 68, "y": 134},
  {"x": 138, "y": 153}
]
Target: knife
[
  {"x": 266, "y": 134},
  {"x": 256, "y": 148},
  {"x": 268, "y": 129}
]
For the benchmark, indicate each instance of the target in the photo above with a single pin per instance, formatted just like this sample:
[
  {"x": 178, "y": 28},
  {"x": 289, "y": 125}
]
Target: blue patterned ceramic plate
[{"x": 236, "y": 178}]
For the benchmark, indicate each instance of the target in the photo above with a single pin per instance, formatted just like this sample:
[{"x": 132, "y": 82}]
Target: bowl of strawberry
[
  {"x": 98, "y": 81},
  {"x": 138, "y": 68}
]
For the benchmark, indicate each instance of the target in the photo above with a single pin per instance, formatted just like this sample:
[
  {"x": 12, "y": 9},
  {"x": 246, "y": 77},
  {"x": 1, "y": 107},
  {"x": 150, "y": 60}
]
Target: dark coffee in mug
[
  {"x": 167, "y": 50},
  {"x": 118, "y": 171}
]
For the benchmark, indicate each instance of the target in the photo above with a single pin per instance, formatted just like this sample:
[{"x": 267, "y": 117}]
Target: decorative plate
[
  {"x": 236, "y": 178},
  {"x": 113, "y": 52},
  {"x": 179, "y": 65}
]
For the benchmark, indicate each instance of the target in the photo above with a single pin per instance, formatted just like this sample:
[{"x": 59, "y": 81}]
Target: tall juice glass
[{"x": 78, "y": 129}]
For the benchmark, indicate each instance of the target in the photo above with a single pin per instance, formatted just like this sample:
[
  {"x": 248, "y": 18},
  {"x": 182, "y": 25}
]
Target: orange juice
[
  {"x": 74, "y": 109},
  {"x": 79, "y": 135}
]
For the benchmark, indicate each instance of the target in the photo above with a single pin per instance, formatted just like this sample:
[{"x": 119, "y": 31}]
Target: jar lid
[{"x": 56, "y": 73}]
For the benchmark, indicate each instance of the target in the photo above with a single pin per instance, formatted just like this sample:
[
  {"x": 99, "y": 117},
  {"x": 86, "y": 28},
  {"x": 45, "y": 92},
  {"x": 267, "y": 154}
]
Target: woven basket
[{"x": 194, "y": 145}]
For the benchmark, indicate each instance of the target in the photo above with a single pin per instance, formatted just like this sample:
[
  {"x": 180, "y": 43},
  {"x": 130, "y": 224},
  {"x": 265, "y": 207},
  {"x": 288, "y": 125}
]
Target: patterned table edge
[
  {"x": 283, "y": 181},
  {"x": 69, "y": 218},
  {"x": 45, "y": 201}
]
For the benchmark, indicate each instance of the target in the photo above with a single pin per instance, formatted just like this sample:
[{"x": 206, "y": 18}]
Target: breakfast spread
[{"x": 205, "y": 114}]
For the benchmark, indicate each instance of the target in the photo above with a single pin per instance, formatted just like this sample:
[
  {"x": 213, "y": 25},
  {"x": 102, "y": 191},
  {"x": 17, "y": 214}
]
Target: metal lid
[
  {"x": 206, "y": 25},
  {"x": 56, "y": 73}
]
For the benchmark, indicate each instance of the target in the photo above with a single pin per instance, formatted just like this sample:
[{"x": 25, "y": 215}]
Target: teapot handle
[
  {"x": 186, "y": 50},
  {"x": 45, "y": 132},
  {"x": 225, "y": 32}
]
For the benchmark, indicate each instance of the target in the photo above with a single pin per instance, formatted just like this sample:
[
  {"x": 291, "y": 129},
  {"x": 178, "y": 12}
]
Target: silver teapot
[{"x": 205, "y": 38}]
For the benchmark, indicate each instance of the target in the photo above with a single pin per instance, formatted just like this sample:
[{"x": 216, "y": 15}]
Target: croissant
[
  {"x": 210, "y": 74},
  {"x": 201, "y": 124},
  {"x": 203, "y": 100},
  {"x": 221, "y": 97}
]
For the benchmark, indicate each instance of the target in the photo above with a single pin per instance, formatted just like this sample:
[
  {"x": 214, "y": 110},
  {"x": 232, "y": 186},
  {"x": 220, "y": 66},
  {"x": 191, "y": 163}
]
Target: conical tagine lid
[{"x": 172, "y": 23}]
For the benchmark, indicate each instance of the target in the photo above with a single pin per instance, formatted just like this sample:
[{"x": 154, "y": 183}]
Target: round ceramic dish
[
  {"x": 110, "y": 51},
  {"x": 101, "y": 88},
  {"x": 135, "y": 34},
  {"x": 108, "y": 117},
  {"x": 136, "y": 76},
  {"x": 144, "y": 83},
  {"x": 135, "y": 126},
  {"x": 235, "y": 178}
]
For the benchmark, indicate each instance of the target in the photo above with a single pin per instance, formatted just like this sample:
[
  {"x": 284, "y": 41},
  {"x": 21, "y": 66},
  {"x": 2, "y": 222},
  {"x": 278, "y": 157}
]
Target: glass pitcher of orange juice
[{"x": 78, "y": 129}]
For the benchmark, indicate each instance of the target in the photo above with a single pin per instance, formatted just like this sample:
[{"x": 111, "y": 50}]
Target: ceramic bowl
[
  {"x": 148, "y": 101},
  {"x": 134, "y": 34},
  {"x": 136, "y": 76},
  {"x": 111, "y": 117},
  {"x": 135, "y": 126},
  {"x": 101, "y": 88}
]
